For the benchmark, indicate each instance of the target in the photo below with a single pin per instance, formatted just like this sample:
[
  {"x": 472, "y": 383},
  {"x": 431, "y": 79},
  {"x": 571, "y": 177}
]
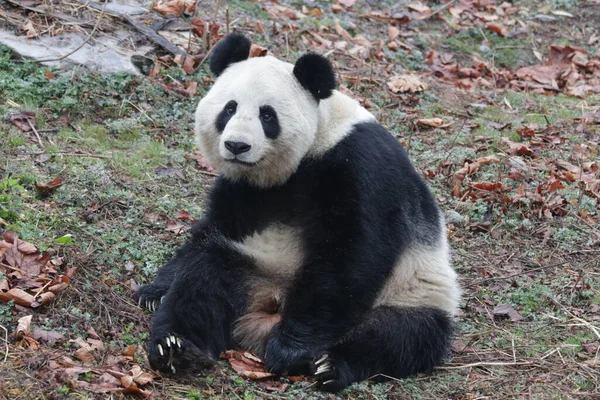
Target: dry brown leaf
[
  {"x": 518, "y": 149},
  {"x": 498, "y": 28},
  {"x": 48, "y": 336},
  {"x": 19, "y": 296},
  {"x": 175, "y": 7},
  {"x": 23, "y": 327},
  {"x": 347, "y": 3},
  {"x": 205, "y": 165},
  {"x": 506, "y": 311},
  {"x": 393, "y": 32},
  {"x": 418, "y": 6},
  {"x": 312, "y": 12},
  {"x": 24, "y": 120},
  {"x": 279, "y": 11},
  {"x": 433, "y": 123},
  {"x": 406, "y": 84},
  {"x": 341, "y": 31},
  {"x": 469, "y": 168},
  {"x": 186, "y": 63},
  {"x": 184, "y": 215},
  {"x": 48, "y": 188},
  {"x": 247, "y": 364},
  {"x": 29, "y": 29},
  {"x": 257, "y": 51}
]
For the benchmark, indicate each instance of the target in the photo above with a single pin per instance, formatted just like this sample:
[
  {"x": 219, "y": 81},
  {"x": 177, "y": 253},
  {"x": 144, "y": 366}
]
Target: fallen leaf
[
  {"x": 246, "y": 364},
  {"x": 433, "y": 123},
  {"x": 518, "y": 149},
  {"x": 393, "y": 32},
  {"x": 175, "y": 7},
  {"x": 48, "y": 336},
  {"x": 202, "y": 163},
  {"x": 184, "y": 215},
  {"x": 257, "y": 51},
  {"x": 469, "y": 168},
  {"x": 418, "y": 6},
  {"x": 186, "y": 63},
  {"x": 23, "y": 327},
  {"x": 48, "y": 188},
  {"x": 498, "y": 28},
  {"x": 502, "y": 311},
  {"x": 347, "y": 3},
  {"x": 407, "y": 84},
  {"x": 24, "y": 120},
  {"x": 29, "y": 29}
]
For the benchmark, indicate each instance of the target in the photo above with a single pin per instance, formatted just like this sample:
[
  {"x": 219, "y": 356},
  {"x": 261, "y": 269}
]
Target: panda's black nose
[{"x": 237, "y": 147}]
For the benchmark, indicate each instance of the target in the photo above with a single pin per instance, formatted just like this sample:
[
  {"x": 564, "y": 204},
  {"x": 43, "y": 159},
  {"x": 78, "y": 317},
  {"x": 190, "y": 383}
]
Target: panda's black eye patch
[
  {"x": 225, "y": 115},
  {"x": 269, "y": 121}
]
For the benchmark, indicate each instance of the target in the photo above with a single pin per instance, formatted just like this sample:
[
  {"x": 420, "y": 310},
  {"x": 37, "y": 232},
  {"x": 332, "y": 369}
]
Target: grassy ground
[{"x": 123, "y": 147}]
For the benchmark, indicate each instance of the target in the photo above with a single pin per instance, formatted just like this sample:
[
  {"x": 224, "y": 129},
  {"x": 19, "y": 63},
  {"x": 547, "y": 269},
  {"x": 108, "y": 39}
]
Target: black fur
[
  {"x": 270, "y": 124},
  {"x": 233, "y": 48},
  {"x": 359, "y": 207},
  {"x": 315, "y": 74},
  {"x": 225, "y": 115}
]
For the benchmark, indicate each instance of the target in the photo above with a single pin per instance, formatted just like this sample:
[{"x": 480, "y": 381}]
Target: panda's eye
[
  {"x": 266, "y": 116},
  {"x": 230, "y": 110}
]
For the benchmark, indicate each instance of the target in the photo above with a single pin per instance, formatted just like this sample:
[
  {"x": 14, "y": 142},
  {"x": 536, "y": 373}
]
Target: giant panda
[{"x": 322, "y": 249}]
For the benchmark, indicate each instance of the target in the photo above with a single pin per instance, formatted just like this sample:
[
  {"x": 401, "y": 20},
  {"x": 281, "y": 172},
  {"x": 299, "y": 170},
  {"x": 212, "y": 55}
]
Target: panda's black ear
[
  {"x": 315, "y": 74},
  {"x": 233, "y": 48}
]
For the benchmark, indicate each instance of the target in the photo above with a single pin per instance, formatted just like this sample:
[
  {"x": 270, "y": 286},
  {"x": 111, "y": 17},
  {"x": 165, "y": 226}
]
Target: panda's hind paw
[
  {"x": 332, "y": 373},
  {"x": 175, "y": 354}
]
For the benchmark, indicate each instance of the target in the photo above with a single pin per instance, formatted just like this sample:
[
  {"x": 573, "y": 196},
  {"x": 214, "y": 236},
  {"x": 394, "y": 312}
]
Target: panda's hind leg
[{"x": 391, "y": 341}]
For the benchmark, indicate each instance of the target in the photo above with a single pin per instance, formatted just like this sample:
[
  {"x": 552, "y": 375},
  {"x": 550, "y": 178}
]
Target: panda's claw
[
  {"x": 179, "y": 342},
  {"x": 160, "y": 350},
  {"x": 323, "y": 358},
  {"x": 329, "y": 381},
  {"x": 167, "y": 341},
  {"x": 173, "y": 341},
  {"x": 162, "y": 298},
  {"x": 323, "y": 368}
]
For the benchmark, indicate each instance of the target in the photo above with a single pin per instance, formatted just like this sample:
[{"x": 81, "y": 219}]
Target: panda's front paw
[
  {"x": 150, "y": 296},
  {"x": 172, "y": 353},
  {"x": 284, "y": 356},
  {"x": 332, "y": 372}
]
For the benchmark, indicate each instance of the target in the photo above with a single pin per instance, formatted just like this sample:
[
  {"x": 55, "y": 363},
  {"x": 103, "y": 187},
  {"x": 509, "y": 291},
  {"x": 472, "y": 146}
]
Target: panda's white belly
[{"x": 277, "y": 249}]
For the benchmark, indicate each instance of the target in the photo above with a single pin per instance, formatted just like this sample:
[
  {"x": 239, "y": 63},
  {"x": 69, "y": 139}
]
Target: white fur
[
  {"x": 423, "y": 276},
  {"x": 308, "y": 127},
  {"x": 337, "y": 115},
  {"x": 276, "y": 249}
]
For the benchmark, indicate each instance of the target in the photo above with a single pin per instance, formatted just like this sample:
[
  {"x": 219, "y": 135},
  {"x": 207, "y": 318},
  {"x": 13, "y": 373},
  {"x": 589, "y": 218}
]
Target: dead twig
[
  {"x": 87, "y": 39},
  {"x": 143, "y": 29},
  {"x": 487, "y": 364},
  {"x": 5, "y": 342},
  {"x": 439, "y": 10},
  {"x": 37, "y": 135}
]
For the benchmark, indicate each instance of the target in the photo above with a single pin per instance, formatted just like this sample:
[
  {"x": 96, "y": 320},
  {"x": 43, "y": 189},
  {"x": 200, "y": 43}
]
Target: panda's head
[{"x": 260, "y": 117}]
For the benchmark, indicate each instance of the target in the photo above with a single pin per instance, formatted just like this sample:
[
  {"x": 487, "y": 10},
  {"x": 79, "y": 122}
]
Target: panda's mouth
[{"x": 240, "y": 162}]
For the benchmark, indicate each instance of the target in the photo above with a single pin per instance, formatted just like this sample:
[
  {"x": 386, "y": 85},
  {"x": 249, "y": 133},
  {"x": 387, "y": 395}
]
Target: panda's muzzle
[{"x": 237, "y": 148}]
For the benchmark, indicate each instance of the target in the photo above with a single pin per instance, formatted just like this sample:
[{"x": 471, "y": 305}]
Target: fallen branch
[
  {"x": 87, "y": 39},
  {"x": 55, "y": 15},
  {"x": 143, "y": 29},
  {"x": 486, "y": 364}
]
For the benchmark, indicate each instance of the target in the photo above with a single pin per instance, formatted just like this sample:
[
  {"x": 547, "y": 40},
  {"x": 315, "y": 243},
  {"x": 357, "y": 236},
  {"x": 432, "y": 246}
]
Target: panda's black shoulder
[
  {"x": 370, "y": 168},
  {"x": 369, "y": 151}
]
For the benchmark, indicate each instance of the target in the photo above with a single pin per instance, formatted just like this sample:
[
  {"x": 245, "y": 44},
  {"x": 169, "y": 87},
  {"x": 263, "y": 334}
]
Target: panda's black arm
[{"x": 350, "y": 248}]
